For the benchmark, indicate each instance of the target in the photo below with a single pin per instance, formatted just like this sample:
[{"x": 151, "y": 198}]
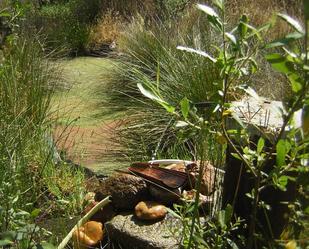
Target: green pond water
[{"x": 79, "y": 104}]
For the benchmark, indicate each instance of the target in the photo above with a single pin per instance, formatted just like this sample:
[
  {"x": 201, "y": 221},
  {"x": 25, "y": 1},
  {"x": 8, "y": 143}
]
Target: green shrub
[{"x": 65, "y": 25}]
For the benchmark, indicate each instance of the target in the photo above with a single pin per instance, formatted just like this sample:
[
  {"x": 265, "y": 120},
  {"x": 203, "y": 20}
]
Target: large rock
[
  {"x": 125, "y": 231},
  {"x": 126, "y": 190}
]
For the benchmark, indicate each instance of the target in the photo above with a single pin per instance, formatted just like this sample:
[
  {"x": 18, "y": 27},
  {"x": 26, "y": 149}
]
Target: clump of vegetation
[
  {"x": 151, "y": 55},
  {"x": 31, "y": 175},
  {"x": 106, "y": 30},
  {"x": 276, "y": 164},
  {"x": 64, "y": 25}
]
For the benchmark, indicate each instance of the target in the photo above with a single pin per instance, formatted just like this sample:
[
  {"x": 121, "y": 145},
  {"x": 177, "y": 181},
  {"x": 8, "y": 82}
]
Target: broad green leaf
[
  {"x": 209, "y": 11},
  {"x": 283, "y": 181},
  {"x": 185, "y": 107},
  {"x": 243, "y": 29},
  {"x": 285, "y": 41},
  {"x": 231, "y": 37},
  {"x": 148, "y": 93},
  {"x": 280, "y": 63},
  {"x": 260, "y": 145},
  {"x": 281, "y": 152},
  {"x": 156, "y": 98},
  {"x": 228, "y": 213},
  {"x": 199, "y": 52},
  {"x": 236, "y": 156},
  {"x": 292, "y": 22},
  {"x": 296, "y": 82}
]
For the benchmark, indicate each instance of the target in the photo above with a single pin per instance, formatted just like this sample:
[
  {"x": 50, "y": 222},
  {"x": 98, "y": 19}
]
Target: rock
[
  {"x": 164, "y": 195},
  {"x": 125, "y": 190},
  {"x": 88, "y": 235},
  {"x": 208, "y": 178},
  {"x": 150, "y": 210},
  {"x": 125, "y": 231}
]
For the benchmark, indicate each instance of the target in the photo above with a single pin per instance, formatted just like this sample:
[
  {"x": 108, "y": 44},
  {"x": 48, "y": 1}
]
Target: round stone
[{"x": 150, "y": 210}]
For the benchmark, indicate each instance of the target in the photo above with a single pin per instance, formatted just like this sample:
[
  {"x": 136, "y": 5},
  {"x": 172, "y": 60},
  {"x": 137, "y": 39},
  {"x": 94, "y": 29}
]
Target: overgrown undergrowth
[{"x": 33, "y": 181}]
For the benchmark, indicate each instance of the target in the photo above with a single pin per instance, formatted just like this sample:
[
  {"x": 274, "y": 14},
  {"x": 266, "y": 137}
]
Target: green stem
[
  {"x": 252, "y": 226},
  {"x": 83, "y": 220},
  {"x": 198, "y": 189}
]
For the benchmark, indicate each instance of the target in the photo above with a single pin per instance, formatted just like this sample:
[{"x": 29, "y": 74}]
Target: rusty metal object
[{"x": 166, "y": 177}]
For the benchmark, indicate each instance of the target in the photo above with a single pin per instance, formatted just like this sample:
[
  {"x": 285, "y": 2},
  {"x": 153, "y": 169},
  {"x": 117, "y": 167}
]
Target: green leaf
[
  {"x": 156, "y": 98},
  {"x": 296, "y": 82},
  {"x": 286, "y": 40},
  {"x": 292, "y": 22},
  {"x": 232, "y": 244},
  {"x": 254, "y": 65},
  {"x": 5, "y": 242},
  {"x": 281, "y": 152},
  {"x": 243, "y": 29},
  {"x": 280, "y": 63},
  {"x": 236, "y": 156},
  {"x": 228, "y": 213},
  {"x": 253, "y": 29},
  {"x": 212, "y": 16},
  {"x": 206, "y": 9},
  {"x": 199, "y": 52},
  {"x": 231, "y": 37},
  {"x": 221, "y": 218},
  {"x": 260, "y": 145},
  {"x": 35, "y": 213},
  {"x": 185, "y": 107},
  {"x": 5, "y": 14},
  {"x": 283, "y": 181},
  {"x": 219, "y": 4}
]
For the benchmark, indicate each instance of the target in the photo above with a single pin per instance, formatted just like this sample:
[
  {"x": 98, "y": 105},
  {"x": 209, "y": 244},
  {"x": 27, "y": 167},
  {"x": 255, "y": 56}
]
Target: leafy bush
[
  {"x": 65, "y": 25},
  {"x": 278, "y": 164}
]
